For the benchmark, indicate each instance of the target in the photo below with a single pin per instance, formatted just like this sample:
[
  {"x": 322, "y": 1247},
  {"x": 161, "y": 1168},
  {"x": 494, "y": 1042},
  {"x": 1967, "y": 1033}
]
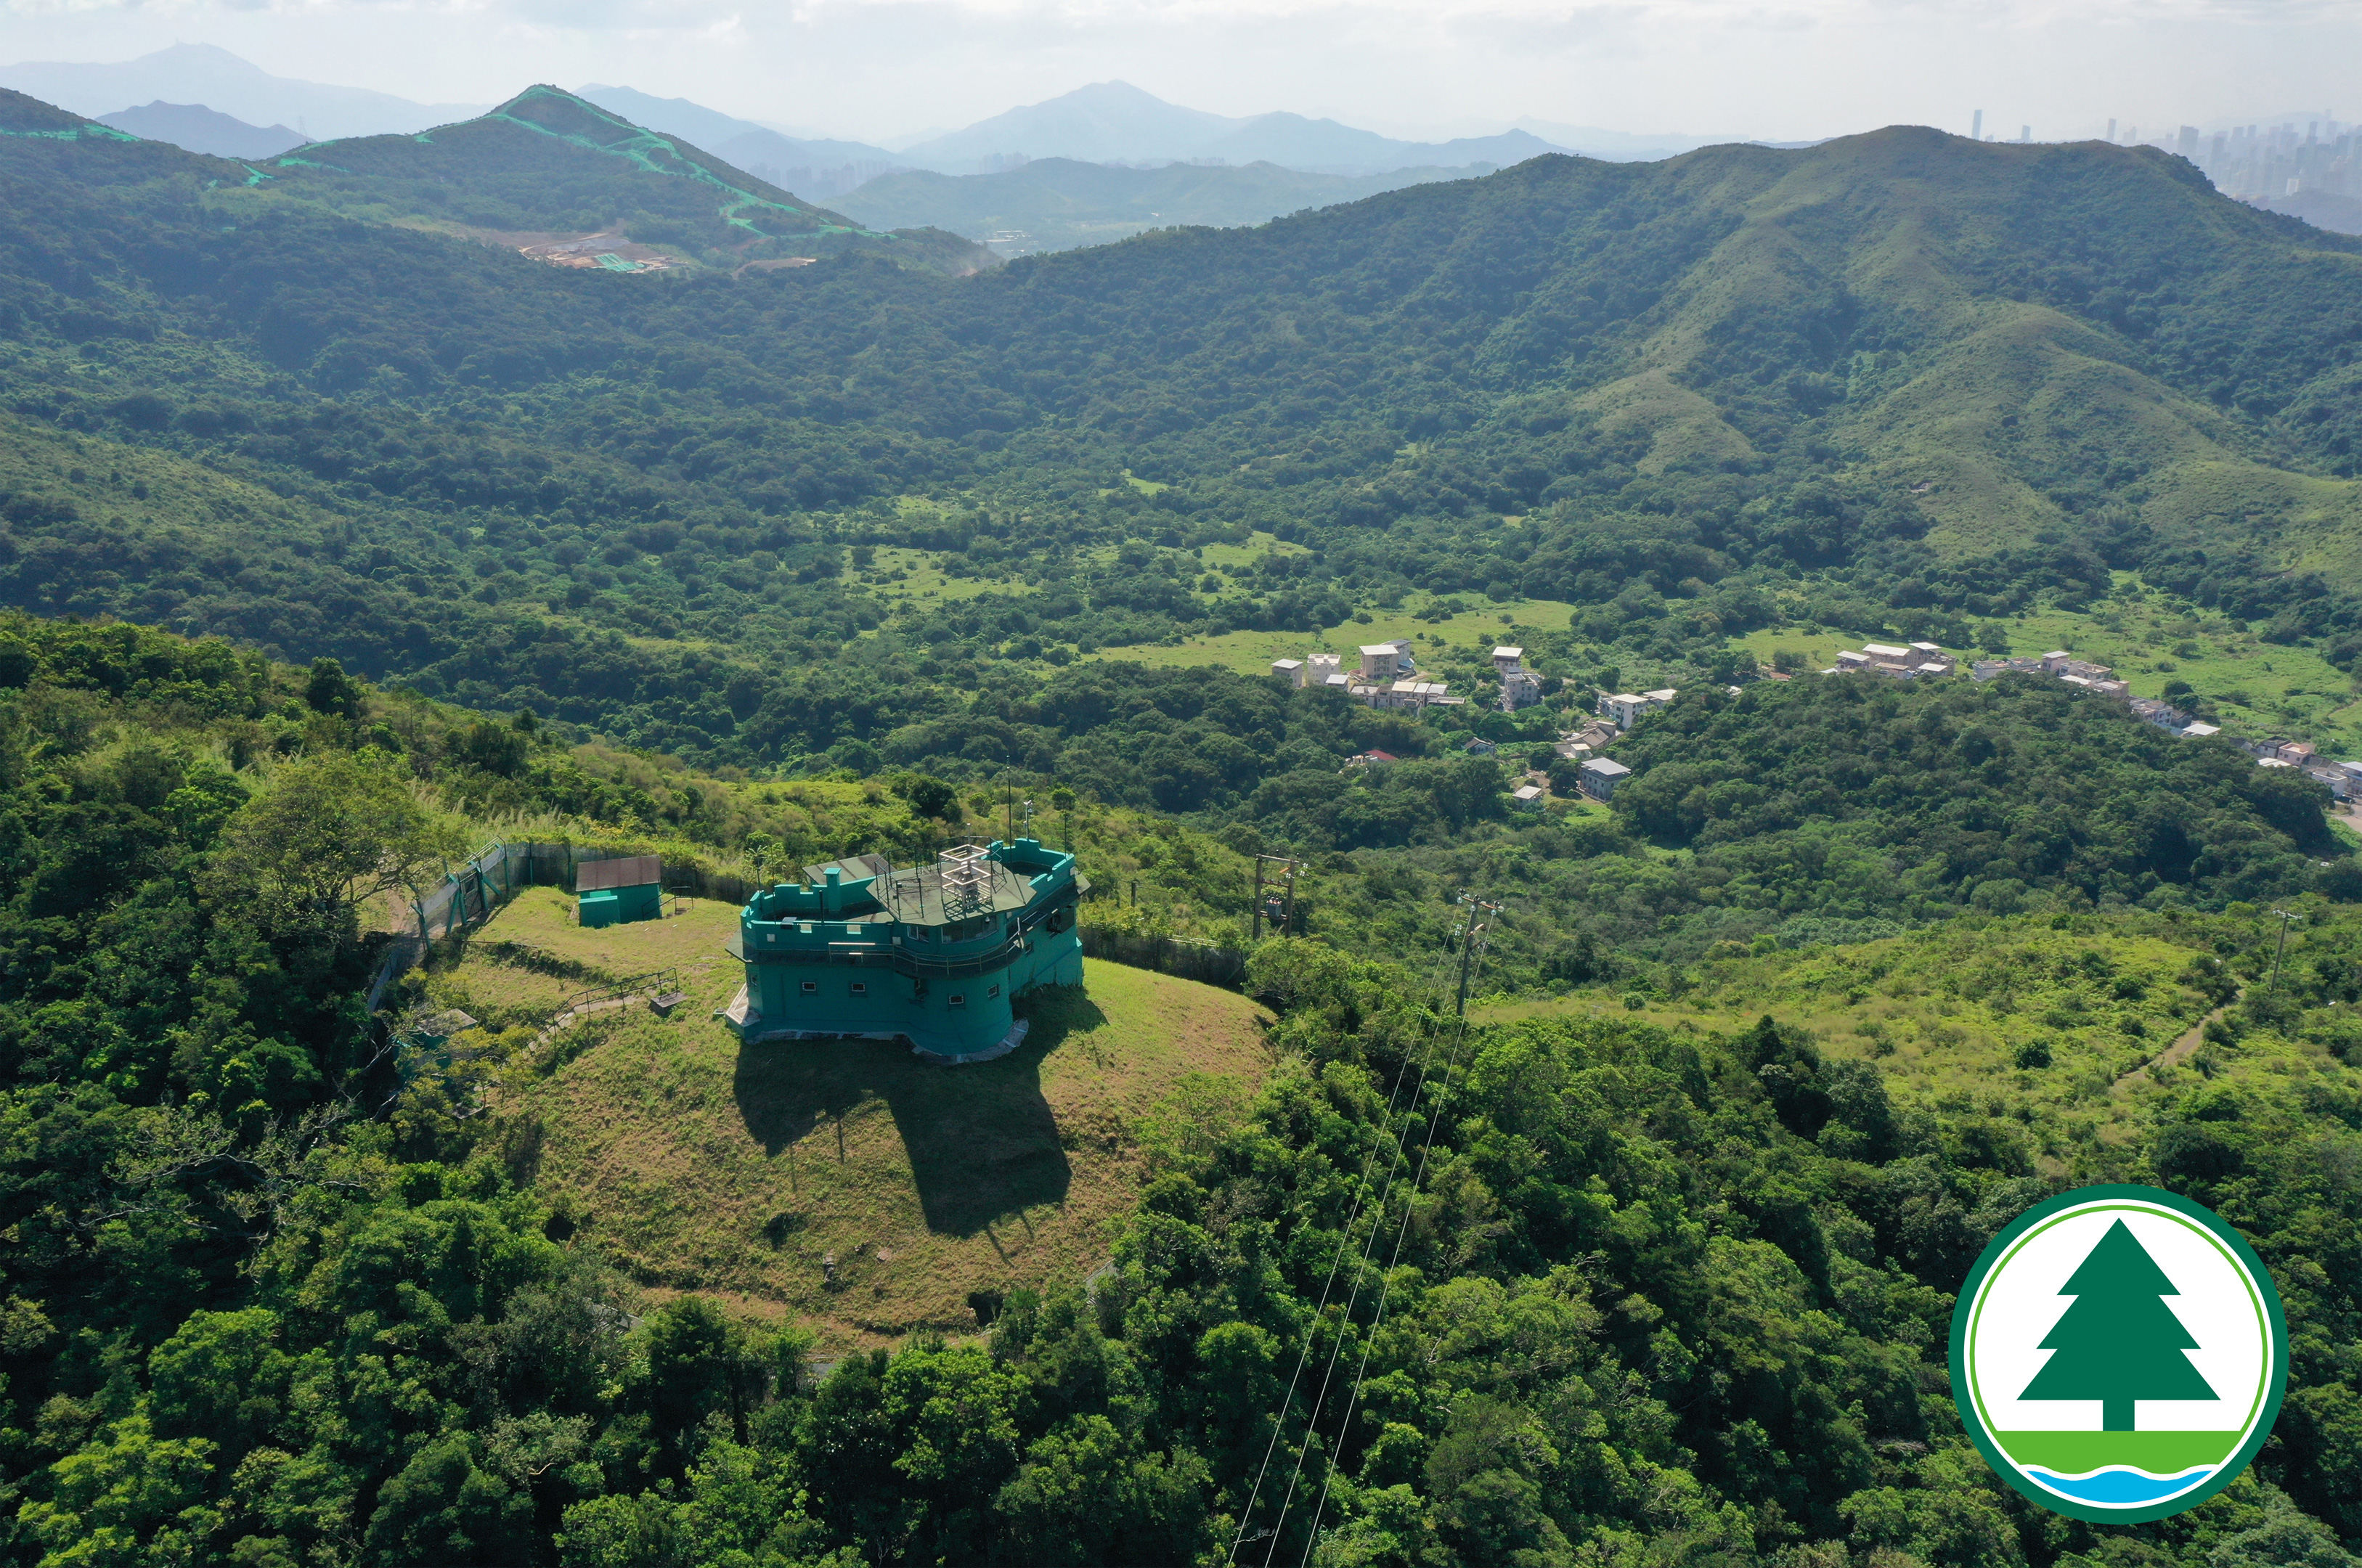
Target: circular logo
[{"x": 2118, "y": 1354}]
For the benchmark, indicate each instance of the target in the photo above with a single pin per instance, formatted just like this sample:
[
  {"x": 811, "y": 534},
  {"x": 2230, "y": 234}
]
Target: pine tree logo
[
  {"x": 2119, "y": 1353},
  {"x": 2120, "y": 1343}
]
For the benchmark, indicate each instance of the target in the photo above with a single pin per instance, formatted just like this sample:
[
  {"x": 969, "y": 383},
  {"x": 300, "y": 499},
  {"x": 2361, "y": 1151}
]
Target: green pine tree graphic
[{"x": 2118, "y": 1343}]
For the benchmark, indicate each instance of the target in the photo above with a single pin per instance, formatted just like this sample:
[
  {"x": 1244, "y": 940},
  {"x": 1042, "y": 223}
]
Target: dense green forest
[{"x": 1654, "y": 1294}]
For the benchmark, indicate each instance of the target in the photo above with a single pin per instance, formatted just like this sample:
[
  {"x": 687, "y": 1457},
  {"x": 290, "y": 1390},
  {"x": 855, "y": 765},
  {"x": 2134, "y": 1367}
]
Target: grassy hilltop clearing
[{"x": 701, "y": 1166}]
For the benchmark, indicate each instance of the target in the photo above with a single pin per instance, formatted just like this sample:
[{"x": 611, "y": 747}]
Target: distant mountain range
[
  {"x": 1110, "y": 122},
  {"x": 199, "y": 129},
  {"x": 220, "y": 80},
  {"x": 2322, "y": 209},
  {"x": 816, "y": 167},
  {"x": 1107, "y": 122},
  {"x": 1060, "y": 204}
]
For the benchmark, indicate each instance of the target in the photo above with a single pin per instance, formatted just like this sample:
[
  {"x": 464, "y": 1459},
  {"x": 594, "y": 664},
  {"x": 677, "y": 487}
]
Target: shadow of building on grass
[{"x": 981, "y": 1139}]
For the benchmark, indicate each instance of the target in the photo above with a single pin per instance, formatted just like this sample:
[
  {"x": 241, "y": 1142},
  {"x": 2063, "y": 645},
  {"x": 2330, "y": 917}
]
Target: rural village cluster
[{"x": 1387, "y": 677}]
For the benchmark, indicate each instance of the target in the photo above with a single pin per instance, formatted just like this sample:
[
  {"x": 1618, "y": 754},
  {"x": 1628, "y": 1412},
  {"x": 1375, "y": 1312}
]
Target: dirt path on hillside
[{"x": 2180, "y": 1051}]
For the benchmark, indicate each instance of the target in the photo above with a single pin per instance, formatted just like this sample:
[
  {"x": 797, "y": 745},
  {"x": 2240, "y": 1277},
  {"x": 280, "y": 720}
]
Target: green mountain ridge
[
  {"x": 546, "y": 160},
  {"x": 1670, "y": 1276},
  {"x": 1850, "y": 974},
  {"x": 1899, "y": 376}
]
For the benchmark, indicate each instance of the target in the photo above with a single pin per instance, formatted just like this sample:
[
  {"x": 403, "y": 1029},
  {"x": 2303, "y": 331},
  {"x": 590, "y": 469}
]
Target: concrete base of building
[
  {"x": 1008, "y": 1043},
  {"x": 749, "y": 1027}
]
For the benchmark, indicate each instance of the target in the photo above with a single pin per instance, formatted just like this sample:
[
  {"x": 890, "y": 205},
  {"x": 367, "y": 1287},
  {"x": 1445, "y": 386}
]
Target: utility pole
[
  {"x": 1471, "y": 940},
  {"x": 2285, "y": 919},
  {"x": 1284, "y": 880}
]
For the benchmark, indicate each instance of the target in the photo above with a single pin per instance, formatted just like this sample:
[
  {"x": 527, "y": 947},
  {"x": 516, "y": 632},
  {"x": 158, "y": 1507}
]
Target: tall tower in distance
[
  {"x": 2112, "y": 130},
  {"x": 1976, "y": 126}
]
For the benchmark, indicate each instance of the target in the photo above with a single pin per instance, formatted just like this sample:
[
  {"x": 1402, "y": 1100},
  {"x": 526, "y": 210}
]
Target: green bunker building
[
  {"x": 934, "y": 955},
  {"x": 614, "y": 892}
]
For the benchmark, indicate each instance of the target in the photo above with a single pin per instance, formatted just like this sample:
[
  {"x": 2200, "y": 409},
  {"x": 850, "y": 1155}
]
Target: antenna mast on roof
[{"x": 966, "y": 873}]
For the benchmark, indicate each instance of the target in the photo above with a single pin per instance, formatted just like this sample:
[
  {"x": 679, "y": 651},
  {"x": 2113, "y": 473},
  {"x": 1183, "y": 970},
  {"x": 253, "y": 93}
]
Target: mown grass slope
[{"x": 848, "y": 1185}]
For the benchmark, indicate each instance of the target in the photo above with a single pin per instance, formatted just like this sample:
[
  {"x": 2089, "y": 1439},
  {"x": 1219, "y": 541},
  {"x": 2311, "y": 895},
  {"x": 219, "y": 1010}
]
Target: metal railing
[{"x": 656, "y": 983}]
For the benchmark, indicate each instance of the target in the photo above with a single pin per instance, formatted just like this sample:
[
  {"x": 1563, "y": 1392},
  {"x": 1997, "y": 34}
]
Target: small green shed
[{"x": 616, "y": 892}]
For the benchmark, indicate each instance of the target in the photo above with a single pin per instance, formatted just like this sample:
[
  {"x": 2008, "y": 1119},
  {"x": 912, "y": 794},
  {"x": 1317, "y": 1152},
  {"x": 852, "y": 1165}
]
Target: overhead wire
[
  {"x": 1470, "y": 932},
  {"x": 1385, "y": 1280},
  {"x": 1344, "y": 1239}
]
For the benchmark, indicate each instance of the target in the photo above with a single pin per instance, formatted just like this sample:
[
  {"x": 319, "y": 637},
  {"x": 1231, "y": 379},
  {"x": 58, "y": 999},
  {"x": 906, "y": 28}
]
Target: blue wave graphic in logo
[{"x": 2121, "y": 1486}]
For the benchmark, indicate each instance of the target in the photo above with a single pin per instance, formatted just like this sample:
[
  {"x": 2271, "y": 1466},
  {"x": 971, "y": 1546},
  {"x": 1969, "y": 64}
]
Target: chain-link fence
[
  {"x": 1183, "y": 957},
  {"x": 470, "y": 892},
  {"x": 473, "y": 889}
]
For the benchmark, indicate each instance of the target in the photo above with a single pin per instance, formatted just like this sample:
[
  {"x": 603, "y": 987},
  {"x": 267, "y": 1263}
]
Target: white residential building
[
  {"x": 1520, "y": 687},
  {"x": 1625, "y": 708}
]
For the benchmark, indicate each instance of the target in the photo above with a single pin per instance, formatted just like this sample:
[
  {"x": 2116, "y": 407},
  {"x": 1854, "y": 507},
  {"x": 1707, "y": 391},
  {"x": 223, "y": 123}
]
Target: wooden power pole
[{"x": 1282, "y": 879}]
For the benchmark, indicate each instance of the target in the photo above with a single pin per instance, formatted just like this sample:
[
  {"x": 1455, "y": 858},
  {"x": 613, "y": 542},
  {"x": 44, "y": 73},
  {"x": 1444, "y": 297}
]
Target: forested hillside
[
  {"x": 1659, "y": 1290},
  {"x": 1898, "y": 377}
]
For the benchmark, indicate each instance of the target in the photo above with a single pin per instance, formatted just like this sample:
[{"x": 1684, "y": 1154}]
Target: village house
[
  {"x": 1600, "y": 775},
  {"x": 1582, "y": 742},
  {"x": 1520, "y": 687},
  {"x": 1917, "y": 661},
  {"x": 1624, "y": 708},
  {"x": 1384, "y": 676}
]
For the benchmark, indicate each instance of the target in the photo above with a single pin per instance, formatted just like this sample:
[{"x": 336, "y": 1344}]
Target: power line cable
[
  {"x": 1470, "y": 933},
  {"x": 1385, "y": 1285},
  {"x": 1344, "y": 1239}
]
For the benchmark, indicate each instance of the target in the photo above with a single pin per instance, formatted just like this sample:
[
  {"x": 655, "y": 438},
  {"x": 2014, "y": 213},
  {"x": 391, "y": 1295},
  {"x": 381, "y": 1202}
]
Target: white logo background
[{"x": 2021, "y": 1302}]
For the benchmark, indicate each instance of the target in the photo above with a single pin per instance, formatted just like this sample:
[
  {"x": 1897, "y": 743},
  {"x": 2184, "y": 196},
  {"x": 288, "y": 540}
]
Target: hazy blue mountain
[
  {"x": 668, "y": 117},
  {"x": 1115, "y": 122},
  {"x": 815, "y": 166},
  {"x": 2322, "y": 209},
  {"x": 200, "y": 129},
  {"x": 1620, "y": 147},
  {"x": 1060, "y": 204},
  {"x": 1098, "y": 124},
  {"x": 1325, "y": 147},
  {"x": 200, "y": 74}
]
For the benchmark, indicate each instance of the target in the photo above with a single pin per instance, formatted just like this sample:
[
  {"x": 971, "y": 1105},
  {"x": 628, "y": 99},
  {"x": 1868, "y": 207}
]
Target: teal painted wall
[
  {"x": 822, "y": 960},
  {"x": 954, "y": 1017},
  {"x": 620, "y": 906}
]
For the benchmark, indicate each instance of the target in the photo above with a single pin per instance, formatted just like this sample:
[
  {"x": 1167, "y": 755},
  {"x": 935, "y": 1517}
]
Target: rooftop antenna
[
  {"x": 966, "y": 872},
  {"x": 1029, "y": 816}
]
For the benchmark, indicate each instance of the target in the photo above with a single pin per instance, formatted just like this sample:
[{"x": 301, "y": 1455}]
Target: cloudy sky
[{"x": 876, "y": 68}]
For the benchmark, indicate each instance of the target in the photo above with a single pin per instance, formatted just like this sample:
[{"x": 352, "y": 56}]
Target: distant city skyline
[{"x": 881, "y": 70}]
